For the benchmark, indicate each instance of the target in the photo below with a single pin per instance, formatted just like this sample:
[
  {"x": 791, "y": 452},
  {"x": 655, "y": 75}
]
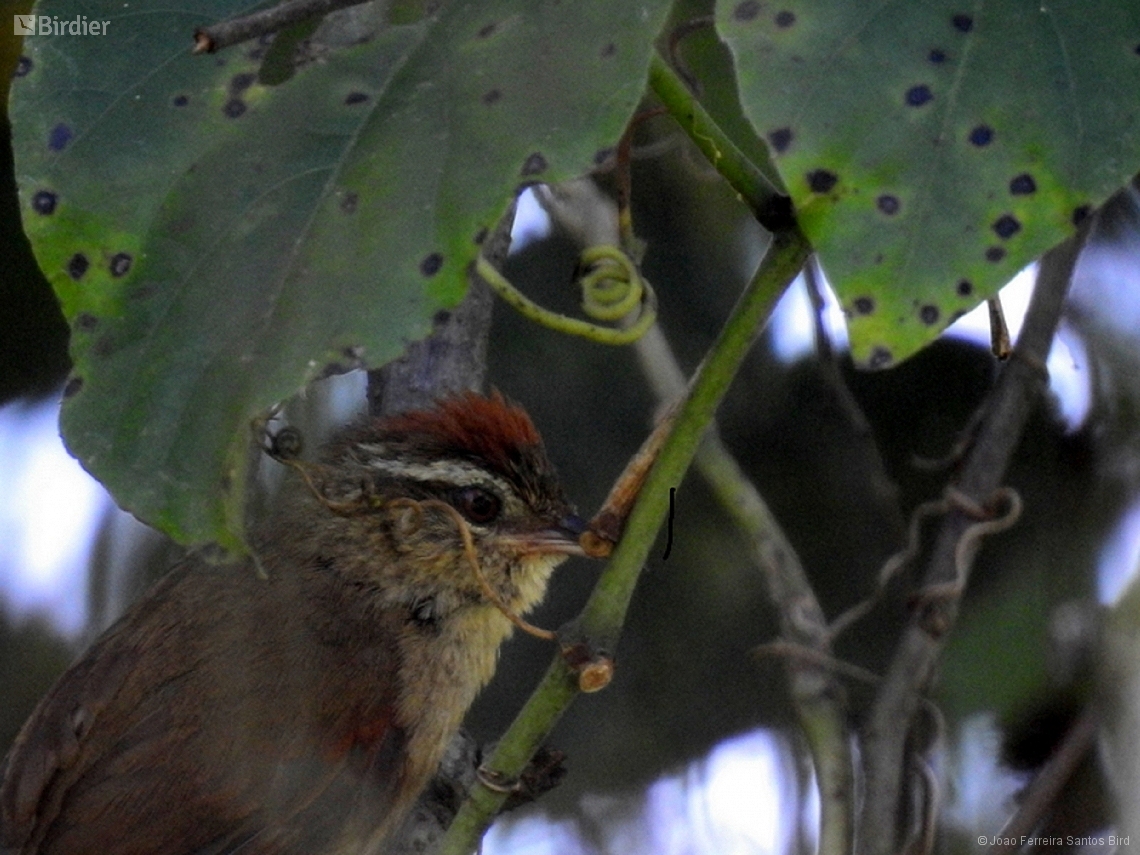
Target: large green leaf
[
  {"x": 216, "y": 243},
  {"x": 933, "y": 148}
]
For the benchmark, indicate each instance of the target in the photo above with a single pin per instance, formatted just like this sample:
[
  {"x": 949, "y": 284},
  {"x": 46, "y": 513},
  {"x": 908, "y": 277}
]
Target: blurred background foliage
[{"x": 841, "y": 481}]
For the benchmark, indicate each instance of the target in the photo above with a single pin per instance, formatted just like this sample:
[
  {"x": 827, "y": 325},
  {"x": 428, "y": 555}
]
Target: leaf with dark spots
[
  {"x": 986, "y": 157},
  {"x": 268, "y": 225}
]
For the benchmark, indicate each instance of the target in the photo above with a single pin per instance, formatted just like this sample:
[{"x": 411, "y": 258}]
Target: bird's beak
[{"x": 561, "y": 539}]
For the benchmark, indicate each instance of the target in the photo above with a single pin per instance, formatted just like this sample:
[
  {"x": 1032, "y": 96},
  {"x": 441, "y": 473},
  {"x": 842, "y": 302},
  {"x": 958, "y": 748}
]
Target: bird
[{"x": 298, "y": 701}]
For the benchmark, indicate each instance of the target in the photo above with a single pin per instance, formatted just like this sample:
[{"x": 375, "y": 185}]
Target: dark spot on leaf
[
  {"x": 1006, "y": 226},
  {"x": 73, "y": 385},
  {"x": 936, "y": 56},
  {"x": 487, "y": 30},
  {"x": 348, "y": 202},
  {"x": 962, "y": 23},
  {"x": 1022, "y": 185},
  {"x": 916, "y": 96},
  {"x": 103, "y": 346},
  {"x": 240, "y": 82},
  {"x": 23, "y": 67},
  {"x": 353, "y": 98},
  {"x": 879, "y": 258},
  {"x": 863, "y": 305},
  {"x": 602, "y": 155},
  {"x": 994, "y": 254},
  {"x": 59, "y": 137},
  {"x": 982, "y": 135},
  {"x": 121, "y": 264},
  {"x": 746, "y": 11},
  {"x": 780, "y": 139},
  {"x": 822, "y": 180},
  {"x": 431, "y": 264},
  {"x": 441, "y": 317},
  {"x": 608, "y": 50},
  {"x": 86, "y": 322},
  {"x": 964, "y": 288},
  {"x": 491, "y": 96},
  {"x": 881, "y": 357},
  {"x": 233, "y": 108},
  {"x": 480, "y": 236},
  {"x": 44, "y": 202},
  {"x": 929, "y": 314},
  {"x": 888, "y": 204},
  {"x": 535, "y": 163},
  {"x": 77, "y": 265},
  {"x": 785, "y": 19},
  {"x": 1081, "y": 213},
  {"x": 180, "y": 100}
]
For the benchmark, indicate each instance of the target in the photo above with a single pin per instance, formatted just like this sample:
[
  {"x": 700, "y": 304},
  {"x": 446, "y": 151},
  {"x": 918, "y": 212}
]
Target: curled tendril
[{"x": 611, "y": 289}]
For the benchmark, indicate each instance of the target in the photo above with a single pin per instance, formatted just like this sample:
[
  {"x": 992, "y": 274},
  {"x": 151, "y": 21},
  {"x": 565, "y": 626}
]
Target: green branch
[
  {"x": 604, "y": 614},
  {"x": 756, "y": 183}
]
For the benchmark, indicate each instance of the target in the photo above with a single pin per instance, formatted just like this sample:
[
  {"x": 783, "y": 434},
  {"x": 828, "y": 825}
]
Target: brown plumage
[{"x": 305, "y": 712}]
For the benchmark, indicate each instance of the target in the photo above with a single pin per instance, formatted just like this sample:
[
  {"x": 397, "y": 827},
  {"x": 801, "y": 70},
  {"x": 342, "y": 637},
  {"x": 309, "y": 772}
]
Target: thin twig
[
  {"x": 271, "y": 20},
  {"x": 1041, "y": 794},
  {"x": 1008, "y": 408}
]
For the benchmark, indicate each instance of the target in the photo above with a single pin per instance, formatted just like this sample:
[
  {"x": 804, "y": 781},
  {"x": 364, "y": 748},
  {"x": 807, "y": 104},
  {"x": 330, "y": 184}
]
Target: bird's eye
[{"x": 478, "y": 505}]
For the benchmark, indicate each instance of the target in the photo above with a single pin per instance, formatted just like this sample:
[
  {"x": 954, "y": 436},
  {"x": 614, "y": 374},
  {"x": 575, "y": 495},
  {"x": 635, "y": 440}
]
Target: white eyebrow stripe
[{"x": 459, "y": 473}]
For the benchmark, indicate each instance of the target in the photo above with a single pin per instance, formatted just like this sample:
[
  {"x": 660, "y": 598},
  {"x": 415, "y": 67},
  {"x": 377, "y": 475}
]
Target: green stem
[
  {"x": 757, "y": 183},
  {"x": 604, "y": 614}
]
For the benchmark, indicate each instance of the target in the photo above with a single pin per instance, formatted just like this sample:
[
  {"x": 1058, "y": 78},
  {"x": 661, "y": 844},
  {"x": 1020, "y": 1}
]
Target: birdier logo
[{"x": 50, "y": 25}]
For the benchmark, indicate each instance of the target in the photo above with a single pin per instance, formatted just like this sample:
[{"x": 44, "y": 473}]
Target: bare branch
[
  {"x": 271, "y": 20},
  {"x": 1007, "y": 409}
]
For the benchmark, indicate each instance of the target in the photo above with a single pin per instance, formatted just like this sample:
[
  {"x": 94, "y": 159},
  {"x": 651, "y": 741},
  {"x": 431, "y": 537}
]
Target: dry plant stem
[
  {"x": 271, "y": 20},
  {"x": 1035, "y": 802},
  {"x": 1008, "y": 407}
]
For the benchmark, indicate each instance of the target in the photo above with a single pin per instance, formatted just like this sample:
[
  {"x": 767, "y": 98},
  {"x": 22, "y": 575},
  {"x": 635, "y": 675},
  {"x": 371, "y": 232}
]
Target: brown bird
[{"x": 302, "y": 712}]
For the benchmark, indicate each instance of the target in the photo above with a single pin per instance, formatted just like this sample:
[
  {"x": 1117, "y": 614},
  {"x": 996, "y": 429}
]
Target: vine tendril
[{"x": 612, "y": 288}]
